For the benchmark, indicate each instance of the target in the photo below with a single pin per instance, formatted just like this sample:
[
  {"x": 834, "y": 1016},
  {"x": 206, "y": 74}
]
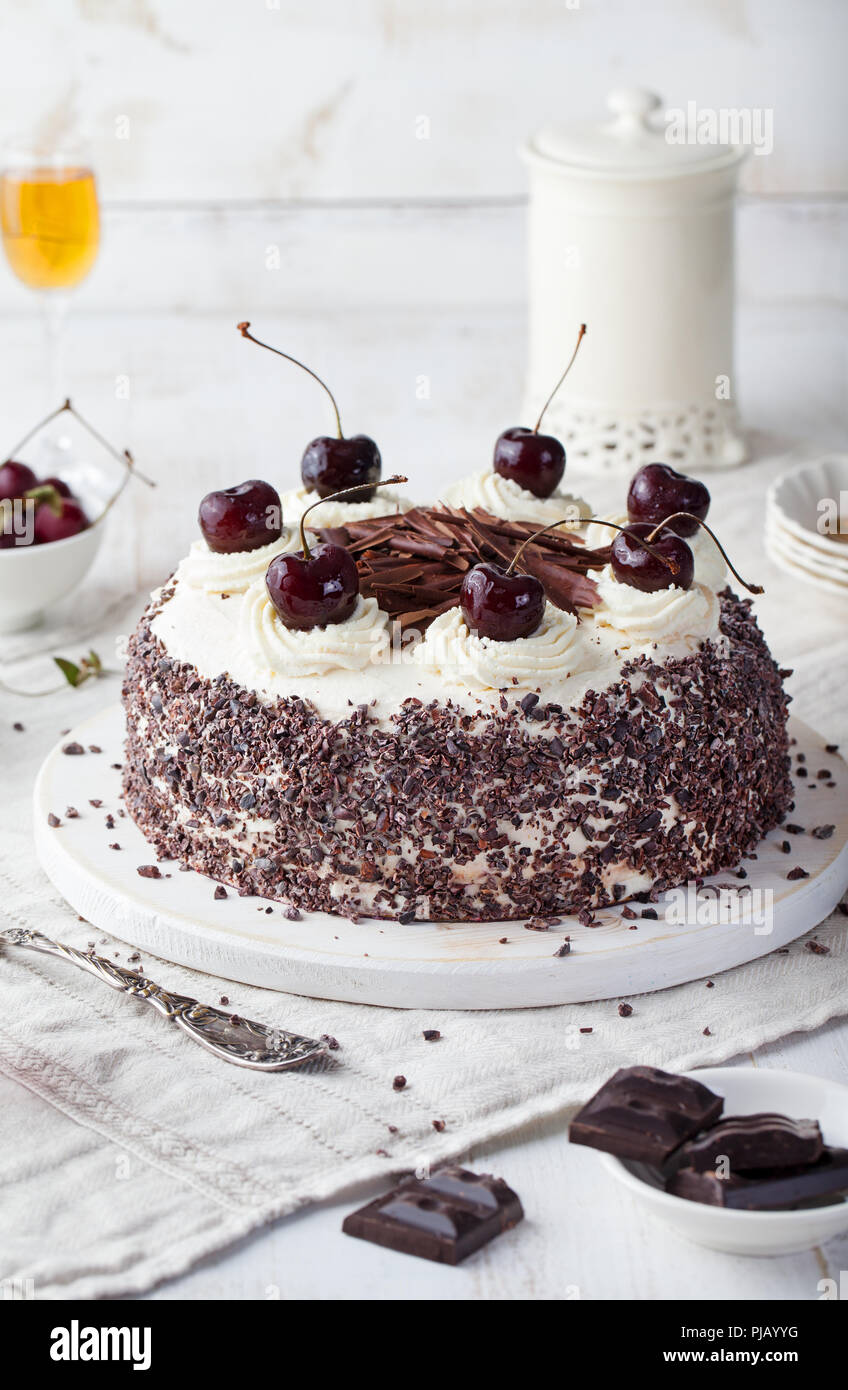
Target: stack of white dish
[{"x": 807, "y": 523}]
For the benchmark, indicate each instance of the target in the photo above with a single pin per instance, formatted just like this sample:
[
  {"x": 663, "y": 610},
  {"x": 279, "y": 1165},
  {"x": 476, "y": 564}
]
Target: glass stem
[{"x": 55, "y": 315}]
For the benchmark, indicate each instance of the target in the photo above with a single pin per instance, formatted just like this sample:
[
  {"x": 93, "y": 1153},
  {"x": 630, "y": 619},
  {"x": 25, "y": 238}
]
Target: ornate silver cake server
[{"x": 235, "y": 1039}]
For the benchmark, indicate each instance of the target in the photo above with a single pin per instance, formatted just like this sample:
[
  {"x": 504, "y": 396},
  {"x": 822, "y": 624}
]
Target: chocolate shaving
[{"x": 446, "y": 542}]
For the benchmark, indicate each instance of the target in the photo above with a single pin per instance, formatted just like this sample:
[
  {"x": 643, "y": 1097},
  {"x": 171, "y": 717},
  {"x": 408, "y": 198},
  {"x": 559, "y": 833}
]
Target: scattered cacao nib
[
  {"x": 710, "y": 984},
  {"x": 431, "y": 1035},
  {"x": 628, "y": 913},
  {"x": 536, "y": 924},
  {"x": 18, "y": 727},
  {"x": 831, "y": 748},
  {"x": 823, "y": 774},
  {"x": 292, "y": 914},
  {"x": 438, "y": 1126},
  {"x": 398, "y": 1083},
  {"x": 73, "y": 750},
  {"x": 585, "y": 1030},
  {"x": 822, "y": 832},
  {"x": 650, "y": 912},
  {"x": 708, "y": 1032},
  {"x": 93, "y": 748},
  {"x": 563, "y": 950},
  {"x": 393, "y": 1129},
  {"x": 115, "y": 845},
  {"x": 795, "y": 829},
  {"x": 843, "y": 908},
  {"x": 797, "y": 872},
  {"x": 235, "y": 1020},
  {"x": 110, "y": 822},
  {"x": 817, "y": 948},
  {"x": 224, "y": 1000},
  {"x": 149, "y": 871},
  {"x": 785, "y": 847},
  {"x": 502, "y": 940},
  {"x": 95, "y": 802},
  {"x": 220, "y": 893},
  {"x": 72, "y": 813},
  {"x": 800, "y": 772},
  {"x": 625, "y": 1010},
  {"x": 52, "y": 820},
  {"x": 331, "y": 1043}
]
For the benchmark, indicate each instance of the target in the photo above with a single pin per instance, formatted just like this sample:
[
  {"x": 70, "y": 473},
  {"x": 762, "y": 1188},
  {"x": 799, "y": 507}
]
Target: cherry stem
[
  {"x": 669, "y": 564},
  {"x": 334, "y": 496},
  {"x": 46, "y": 492},
  {"x": 752, "y": 588},
  {"x": 580, "y": 336},
  {"x": 243, "y": 330},
  {"x": 124, "y": 457}
]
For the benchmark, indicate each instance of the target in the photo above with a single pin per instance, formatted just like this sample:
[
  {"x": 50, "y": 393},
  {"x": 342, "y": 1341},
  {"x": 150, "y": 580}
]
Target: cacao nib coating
[{"x": 676, "y": 770}]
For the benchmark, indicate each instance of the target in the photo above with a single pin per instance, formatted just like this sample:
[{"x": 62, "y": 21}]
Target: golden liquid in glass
[{"x": 50, "y": 225}]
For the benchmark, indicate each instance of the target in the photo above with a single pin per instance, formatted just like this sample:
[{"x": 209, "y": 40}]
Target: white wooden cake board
[{"x": 429, "y": 965}]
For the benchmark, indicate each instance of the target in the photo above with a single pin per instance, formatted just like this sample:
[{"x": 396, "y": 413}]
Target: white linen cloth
[{"x": 127, "y": 1153}]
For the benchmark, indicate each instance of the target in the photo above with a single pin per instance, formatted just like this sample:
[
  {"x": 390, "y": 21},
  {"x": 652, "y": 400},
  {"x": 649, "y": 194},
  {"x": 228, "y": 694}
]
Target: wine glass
[{"x": 50, "y": 224}]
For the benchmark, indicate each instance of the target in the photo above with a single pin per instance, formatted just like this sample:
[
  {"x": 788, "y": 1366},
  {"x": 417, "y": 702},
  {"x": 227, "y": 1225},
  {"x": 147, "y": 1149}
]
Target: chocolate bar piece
[
  {"x": 768, "y": 1189},
  {"x": 752, "y": 1141},
  {"x": 644, "y": 1113},
  {"x": 445, "y": 1217}
]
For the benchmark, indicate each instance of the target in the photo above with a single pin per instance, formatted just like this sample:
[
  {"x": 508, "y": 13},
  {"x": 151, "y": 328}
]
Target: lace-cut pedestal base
[{"x": 697, "y": 437}]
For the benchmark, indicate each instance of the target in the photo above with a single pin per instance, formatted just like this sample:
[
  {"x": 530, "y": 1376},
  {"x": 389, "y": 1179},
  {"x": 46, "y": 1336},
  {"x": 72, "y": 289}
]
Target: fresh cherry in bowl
[
  {"x": 649, "y": 562},
  {"x": 244, "y": 517},
  {"x": 332, "y": 464},
  {"x": 16, "y": 479},
  {"x": 536, "y": 462},
  {"x": 501, "y": 605},
  {"x": 657, "y": 491},
  {"x": 68, "y": 519}
]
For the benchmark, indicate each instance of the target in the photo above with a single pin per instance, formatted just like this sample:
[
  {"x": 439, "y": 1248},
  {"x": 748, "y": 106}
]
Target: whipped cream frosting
[
  {"x": 710, "y": 568},
  {"x": 504, "y": 498},
  {"x": 456, "y": 653},
  {"x": 387, "y": 502},
  {"x": 205, "y": 569},
  {"x": 349, "y": 646},
  {"x": 666, "y": 616}
]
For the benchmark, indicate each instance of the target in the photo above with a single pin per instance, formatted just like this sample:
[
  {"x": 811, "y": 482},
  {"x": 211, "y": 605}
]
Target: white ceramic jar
[{"x": 633, "y": 235}]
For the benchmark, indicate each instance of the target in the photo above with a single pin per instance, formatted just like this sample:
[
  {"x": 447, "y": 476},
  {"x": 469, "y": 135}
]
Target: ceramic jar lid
[{"x": 635, "y": 143}]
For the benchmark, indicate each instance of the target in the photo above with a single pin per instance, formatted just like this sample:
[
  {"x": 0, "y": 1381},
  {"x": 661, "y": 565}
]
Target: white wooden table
[{"x": 205, "y": 409}]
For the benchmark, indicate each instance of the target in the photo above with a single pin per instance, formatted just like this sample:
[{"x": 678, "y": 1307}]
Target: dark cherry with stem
[
  {"x": 534, "y": 461},
  {"x": 657, "y": 490},
  {"x": 318, "y": 587},
  {"x": 699, "y": 522},
  {"x": 244, "y": 517},
  {"x": 330, "y": 465},
  {"x": 651, "y": 559},
  {"x": 498, "y": 603}
]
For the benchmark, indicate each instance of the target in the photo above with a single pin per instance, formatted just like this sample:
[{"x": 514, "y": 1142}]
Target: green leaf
[{"x": 73, "y": 675}]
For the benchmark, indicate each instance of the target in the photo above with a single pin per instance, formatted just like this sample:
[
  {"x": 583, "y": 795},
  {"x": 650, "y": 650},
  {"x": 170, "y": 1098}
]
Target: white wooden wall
[{"x": 216, "y": 101}]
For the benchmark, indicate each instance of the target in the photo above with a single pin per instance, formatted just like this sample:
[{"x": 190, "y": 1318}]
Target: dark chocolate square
[
  {"x": 445, "y": 1217},
  {"x": 644, "y": 1113}
]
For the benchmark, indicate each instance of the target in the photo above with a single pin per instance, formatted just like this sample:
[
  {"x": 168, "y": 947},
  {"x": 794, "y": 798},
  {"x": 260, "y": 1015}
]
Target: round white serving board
[{"x": 423, "y": 964}]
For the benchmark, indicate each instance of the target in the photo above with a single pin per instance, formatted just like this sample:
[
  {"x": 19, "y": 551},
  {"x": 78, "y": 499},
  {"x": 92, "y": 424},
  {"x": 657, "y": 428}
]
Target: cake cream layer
[
  {"x": 386, "y": 502},
  {"x": 366, "y": 660},
  {"x": 505, "y": 498},
  {"x": 404, "y": 792}
]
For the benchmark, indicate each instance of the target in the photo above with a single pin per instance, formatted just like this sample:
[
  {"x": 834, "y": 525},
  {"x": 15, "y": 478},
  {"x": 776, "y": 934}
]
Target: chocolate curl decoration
[{"x": 414, "y": 564}]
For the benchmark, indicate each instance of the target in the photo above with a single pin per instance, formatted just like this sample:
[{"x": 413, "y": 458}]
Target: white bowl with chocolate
[{"x": 807, "y": 1222}]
